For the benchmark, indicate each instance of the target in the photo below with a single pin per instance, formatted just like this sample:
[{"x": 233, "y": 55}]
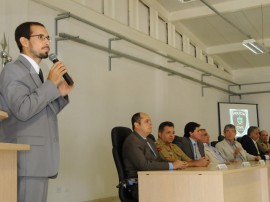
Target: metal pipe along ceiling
[{"x": 65, "y": 36}]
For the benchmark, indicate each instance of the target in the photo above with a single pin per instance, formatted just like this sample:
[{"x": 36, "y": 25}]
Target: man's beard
[
  {"x": 40, "y": 55},
  {"x": 44, "y": 55}
]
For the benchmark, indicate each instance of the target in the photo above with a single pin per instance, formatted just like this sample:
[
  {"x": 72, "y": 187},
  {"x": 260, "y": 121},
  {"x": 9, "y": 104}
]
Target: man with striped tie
[
  {"x": 249, "y": 143},
  {"x": 140, "y": 153},
  {"x": 190, "y": 143},
  {"x": 214, "y": 156}
]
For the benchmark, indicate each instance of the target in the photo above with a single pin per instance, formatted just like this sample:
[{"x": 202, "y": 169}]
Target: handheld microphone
[
  {"x": 67, "y": 78},
  {"x": 240, "y": 155}
]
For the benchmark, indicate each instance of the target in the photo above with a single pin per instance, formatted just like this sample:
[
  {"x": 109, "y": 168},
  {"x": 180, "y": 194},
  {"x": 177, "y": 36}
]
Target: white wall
[
  {"x": 263, "y": 100},
  {"x": 103, "y": 99}
]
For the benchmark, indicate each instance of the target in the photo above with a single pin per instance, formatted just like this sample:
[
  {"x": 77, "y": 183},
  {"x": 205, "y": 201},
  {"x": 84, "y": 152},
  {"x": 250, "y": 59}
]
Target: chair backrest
[
  {"x": 118, "y": 135},
  {"x": 177, "y": 139},
  {"x": 213, "y": 143},
  {"x": 239, "y": 139},
  {"x": 221, "y": 137},
  {"x": 152, "y": 137}
]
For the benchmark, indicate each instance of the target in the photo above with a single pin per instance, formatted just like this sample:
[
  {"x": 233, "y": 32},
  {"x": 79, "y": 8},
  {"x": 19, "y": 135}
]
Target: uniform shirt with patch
[{"x": 170, "y": 152}]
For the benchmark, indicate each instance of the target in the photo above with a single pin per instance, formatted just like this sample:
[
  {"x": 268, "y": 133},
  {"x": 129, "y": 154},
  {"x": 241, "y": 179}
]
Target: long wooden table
[
  {"x": 8, "y": 170},
  {"x": 236, "y": 184}
]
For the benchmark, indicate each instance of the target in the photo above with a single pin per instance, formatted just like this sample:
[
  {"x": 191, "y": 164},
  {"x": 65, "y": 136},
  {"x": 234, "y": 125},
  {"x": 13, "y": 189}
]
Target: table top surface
[
  {"x": 15, "y": 147},
  {"x": 211, "y": 169}
]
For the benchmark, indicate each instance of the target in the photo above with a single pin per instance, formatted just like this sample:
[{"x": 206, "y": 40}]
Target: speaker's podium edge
[
  {"x": 8, "y": 170},
  {"x": 3, "y": 115}
]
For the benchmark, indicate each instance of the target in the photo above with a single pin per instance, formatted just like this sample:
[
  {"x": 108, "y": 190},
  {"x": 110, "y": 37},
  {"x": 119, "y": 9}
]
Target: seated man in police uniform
[
  {"x": 172, "y": 152},
  {"x": 263, "y": 143}
]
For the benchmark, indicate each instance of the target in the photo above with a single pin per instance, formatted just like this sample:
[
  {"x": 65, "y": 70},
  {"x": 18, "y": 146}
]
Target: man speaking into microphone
[
  {"x": 232, "y": 150},
  {"x": 32, "y": 104}
]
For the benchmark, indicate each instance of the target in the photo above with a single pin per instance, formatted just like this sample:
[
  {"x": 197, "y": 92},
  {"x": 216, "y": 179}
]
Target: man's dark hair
[
  {"x": 24, "y": 30},
  {"x": 136, "y": 118},
  {"x": 228, "y": 126},
  {"x": 251, "y": 129},
  {"x": 163, "y": 125},
  {"x": 190, "y": 127}
]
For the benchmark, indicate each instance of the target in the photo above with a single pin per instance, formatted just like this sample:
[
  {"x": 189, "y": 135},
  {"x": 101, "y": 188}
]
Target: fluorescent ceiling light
[
  {"x": 254, "y": 46},
  {"x": 185, "y": 1}
]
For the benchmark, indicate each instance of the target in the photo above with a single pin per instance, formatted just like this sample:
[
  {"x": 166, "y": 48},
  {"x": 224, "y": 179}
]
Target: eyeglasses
[
  {"x": 230, "y": 130},
  {"x": 41, "y": 37},
  {"x": 205, "y": 135}
]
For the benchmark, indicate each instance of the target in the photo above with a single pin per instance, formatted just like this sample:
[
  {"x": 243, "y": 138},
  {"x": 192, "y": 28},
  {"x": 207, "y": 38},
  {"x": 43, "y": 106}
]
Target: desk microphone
[{"x": 67, "y": 78}]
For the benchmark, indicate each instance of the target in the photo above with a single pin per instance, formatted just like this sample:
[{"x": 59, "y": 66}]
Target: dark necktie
[
  {"x": 197, "y": 152},
  {"x": 256, "y": 145},
  {"x": 40, "y": 74},
  {"x": 149, "y": 145}
]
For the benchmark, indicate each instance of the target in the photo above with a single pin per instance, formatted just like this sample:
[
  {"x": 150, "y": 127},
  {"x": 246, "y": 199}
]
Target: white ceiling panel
[{"x": 222, "y": 30}]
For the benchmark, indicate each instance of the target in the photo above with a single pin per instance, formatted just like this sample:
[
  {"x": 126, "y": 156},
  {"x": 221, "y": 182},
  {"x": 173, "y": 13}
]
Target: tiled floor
[{"x": 110, "y": 199}]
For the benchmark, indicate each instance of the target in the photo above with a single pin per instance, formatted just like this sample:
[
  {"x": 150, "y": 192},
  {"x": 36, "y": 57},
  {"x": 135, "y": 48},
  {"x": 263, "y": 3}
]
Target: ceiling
[{"x": 221, "y": 36}]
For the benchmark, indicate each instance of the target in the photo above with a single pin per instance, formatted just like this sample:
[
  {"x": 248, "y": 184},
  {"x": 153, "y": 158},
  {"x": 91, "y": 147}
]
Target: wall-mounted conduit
[
  {"x": 117, "y": 54},
  {"x": 130, "y": 57}
]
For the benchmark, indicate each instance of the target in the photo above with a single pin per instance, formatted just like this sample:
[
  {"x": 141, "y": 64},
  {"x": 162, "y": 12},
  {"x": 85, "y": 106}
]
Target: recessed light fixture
[{"x": 254, "y": 46}]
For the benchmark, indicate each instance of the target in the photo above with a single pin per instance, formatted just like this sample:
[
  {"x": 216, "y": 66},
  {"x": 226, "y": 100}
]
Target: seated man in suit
[
  {"x": 249, "y": 142},
  {"x": 263, "y": 143},
  {"x": 214, "y": 156},
  {"x": 232, "y": 150},
  {"x": 140, "y": 153},
  {"x": 172, "y": 152},
  {"x": 190, "y": 143}
]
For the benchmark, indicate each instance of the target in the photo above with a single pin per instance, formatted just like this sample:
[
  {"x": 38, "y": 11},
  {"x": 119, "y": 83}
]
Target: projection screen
[{"x": 242, "y": 115}]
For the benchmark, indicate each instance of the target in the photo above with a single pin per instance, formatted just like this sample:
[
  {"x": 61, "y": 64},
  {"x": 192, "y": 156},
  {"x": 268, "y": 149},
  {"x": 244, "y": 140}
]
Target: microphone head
[{"x": 53, "y": 57}]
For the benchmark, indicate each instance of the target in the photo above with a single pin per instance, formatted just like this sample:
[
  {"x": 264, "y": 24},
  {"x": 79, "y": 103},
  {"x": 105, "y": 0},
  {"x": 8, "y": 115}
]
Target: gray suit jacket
[
  {"x": 227, "y": 151},
  {"x": 32, "y": 108},
  {"x": 212, "y": 156},
  {"x": 138, "y": 156},
  {"x": 186, "y": 145}
]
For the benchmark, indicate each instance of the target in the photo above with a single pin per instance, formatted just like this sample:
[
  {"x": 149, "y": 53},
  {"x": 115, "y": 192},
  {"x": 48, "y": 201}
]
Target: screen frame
[{"x": 234, "y": 103}]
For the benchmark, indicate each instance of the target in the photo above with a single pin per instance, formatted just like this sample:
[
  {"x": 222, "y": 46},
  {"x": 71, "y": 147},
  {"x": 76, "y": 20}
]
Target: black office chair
[
  {"x": 221, "y": 137},
  {"x": 118, "y": 135},
  {"x": 213, "y": 143},
  {"x": 177, "y": 139},
  {"x": 239, "y": 139},
  {"x": 152, "y": 137}
]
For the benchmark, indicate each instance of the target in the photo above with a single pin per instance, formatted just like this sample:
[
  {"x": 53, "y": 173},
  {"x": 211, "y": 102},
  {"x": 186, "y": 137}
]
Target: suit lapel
[
  {"x": 210, "y": 152},
  {"x": 26, "y": 64}
]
